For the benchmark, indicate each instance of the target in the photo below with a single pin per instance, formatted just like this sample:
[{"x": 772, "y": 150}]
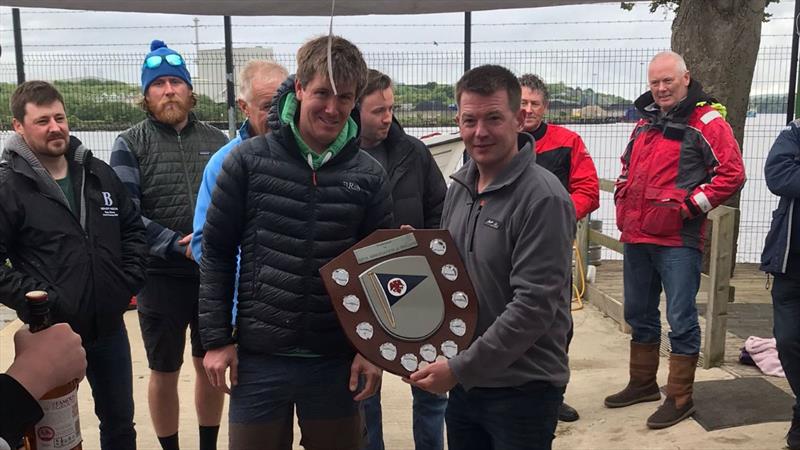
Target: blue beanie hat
[{"x": 159, "y": 48}]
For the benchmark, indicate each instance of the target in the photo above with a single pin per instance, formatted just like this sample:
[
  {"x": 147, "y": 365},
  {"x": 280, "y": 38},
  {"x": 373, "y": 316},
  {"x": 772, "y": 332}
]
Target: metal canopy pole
[
  {"x": 468, "y": 40},
  {"x": 229, "y": 79},
  {"x": 18, "y": 45},
  {"x": 790, "y": 104}
]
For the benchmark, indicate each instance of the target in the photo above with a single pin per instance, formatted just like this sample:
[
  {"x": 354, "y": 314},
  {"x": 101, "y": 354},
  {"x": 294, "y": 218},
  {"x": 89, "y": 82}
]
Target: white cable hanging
[{"x": 330, "y": 45}]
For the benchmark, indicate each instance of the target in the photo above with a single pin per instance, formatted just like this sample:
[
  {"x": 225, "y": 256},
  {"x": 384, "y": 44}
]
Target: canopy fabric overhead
[{"x": 290, "y": 7}]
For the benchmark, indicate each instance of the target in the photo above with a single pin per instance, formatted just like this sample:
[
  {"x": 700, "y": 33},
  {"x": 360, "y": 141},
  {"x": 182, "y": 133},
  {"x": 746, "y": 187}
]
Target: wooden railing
[{"x": 716, "y": 283}]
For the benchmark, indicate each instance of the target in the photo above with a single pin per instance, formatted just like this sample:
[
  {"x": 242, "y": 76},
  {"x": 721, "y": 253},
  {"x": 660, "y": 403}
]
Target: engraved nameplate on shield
[{"x": 403, "y": 298}]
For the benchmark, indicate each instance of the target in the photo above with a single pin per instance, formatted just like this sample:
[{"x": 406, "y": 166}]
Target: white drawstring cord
[{"x": 330, "y": 44}]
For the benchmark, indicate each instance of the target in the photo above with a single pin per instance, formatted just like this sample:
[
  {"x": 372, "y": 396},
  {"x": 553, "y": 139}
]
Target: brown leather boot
[
  {"x": 679, "y": 404},
  {"x": 642, "y": 386}
]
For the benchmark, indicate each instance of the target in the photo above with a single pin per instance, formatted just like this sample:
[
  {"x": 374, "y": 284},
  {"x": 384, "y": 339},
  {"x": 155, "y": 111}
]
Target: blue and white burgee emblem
[{"x": 404, "y": 297}]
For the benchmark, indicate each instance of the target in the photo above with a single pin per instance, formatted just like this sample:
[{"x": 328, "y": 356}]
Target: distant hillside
[
  {"x": 412, "y": 95},
  {"x": 96, "y": 104},
  {"x": 584, "y": 97}
]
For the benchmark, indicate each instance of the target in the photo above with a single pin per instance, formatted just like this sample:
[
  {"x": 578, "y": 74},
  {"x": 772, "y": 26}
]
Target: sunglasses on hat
[{"x": 153, "y": 62}]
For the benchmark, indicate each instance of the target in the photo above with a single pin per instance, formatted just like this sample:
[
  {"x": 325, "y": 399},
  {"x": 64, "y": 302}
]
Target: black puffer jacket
[
  {"x": 289, "y": 220},
  {"x": 417, "y": 185}
]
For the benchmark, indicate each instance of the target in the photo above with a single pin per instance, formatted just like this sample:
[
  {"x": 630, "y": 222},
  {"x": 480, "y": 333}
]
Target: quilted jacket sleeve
[{"x": 222, "y": 235}]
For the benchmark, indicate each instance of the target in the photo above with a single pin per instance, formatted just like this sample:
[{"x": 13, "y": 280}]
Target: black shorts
[{"x": 166, "y": 306}]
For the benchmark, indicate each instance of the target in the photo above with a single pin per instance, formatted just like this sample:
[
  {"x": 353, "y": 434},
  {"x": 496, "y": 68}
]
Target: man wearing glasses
[{"x": 161, "y": 161}]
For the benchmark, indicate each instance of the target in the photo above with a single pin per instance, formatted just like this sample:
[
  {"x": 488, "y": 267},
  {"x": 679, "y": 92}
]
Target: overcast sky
[{"x": 564, "y": 28}]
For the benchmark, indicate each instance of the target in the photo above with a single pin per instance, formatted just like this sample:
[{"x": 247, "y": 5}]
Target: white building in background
[{"x": 209, "y": 76}]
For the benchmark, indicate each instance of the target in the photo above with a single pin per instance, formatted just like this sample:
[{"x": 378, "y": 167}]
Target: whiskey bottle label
[{"x": 60, "y": 428}]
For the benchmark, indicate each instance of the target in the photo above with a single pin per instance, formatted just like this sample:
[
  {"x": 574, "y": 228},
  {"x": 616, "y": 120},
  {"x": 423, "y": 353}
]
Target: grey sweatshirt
[
  {"x": 516, "y": 241},
  {"x": 16, "y": 144}
]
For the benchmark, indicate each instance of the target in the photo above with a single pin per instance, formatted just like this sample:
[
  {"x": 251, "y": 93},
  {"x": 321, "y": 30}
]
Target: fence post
[
  {"x": 582, "y": 248},
  {"x": 719, "y": 274},
  {"x": 229, "y": 87},
  {"x": 18, "y": 45}
]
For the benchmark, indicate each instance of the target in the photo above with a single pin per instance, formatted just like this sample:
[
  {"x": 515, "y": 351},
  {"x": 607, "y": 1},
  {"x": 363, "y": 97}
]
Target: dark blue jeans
[
  {"x": 646, "y": 268},
  {"x": 786, "y": 328},
  {"x": 513, "y": 418},
  {"x": 110, "y": 376},
  {"x": 428, "y": 420}
]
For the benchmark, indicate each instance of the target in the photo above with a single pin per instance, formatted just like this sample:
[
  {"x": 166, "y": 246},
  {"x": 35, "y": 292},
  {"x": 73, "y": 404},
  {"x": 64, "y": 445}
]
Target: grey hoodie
[
  {"x": 516, "y": 241},
  {"x": 47, "y": 185}
]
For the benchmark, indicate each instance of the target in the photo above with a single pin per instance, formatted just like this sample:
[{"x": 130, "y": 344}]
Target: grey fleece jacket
[{"x": 515, "y": 238}]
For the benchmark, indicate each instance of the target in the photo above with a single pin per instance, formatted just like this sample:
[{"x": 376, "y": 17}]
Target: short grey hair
[
  {"x": 263, "y": 68},
  {"x": 535, "y": 83},
  {"x": 679, "y": 61}
]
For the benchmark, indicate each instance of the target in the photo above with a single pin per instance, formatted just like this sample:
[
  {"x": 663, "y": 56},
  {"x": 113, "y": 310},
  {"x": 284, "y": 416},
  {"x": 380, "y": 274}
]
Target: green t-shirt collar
[{"x": 315, "y": 160}]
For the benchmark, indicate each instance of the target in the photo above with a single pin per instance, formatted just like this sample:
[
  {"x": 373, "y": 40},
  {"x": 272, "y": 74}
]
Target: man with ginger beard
[{"x": 160, "y": 160}]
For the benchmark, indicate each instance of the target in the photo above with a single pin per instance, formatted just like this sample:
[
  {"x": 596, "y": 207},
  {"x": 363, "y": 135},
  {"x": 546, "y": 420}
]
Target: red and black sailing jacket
[
  {"x": 563, "y": 153},
  {"x": 685, "y": 160}
]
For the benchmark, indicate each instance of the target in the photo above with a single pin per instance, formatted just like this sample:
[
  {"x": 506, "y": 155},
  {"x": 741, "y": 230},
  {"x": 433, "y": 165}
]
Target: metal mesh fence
[{"x": 591, "y": 92}]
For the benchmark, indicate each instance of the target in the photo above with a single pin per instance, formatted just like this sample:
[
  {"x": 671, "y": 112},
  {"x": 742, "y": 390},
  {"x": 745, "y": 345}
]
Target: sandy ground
[{"x": 599, "y": 367}]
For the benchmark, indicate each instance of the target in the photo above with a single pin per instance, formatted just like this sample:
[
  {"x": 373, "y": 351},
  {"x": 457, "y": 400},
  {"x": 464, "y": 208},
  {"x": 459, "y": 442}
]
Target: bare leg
[{"x": 162, "y": 397}]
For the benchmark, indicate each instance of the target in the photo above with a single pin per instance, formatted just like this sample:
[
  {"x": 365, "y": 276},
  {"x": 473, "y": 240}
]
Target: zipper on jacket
[
  {"x": 475, "y": 225},
  {"x": 310, "y": 242},
  {"x": 790, "y": 216},
  {"x": 186, "y": 174}
]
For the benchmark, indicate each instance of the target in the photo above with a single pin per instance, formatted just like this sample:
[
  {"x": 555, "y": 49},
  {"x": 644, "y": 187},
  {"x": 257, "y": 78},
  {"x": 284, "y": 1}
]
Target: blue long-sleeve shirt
[{"x": 210, "y": 174}]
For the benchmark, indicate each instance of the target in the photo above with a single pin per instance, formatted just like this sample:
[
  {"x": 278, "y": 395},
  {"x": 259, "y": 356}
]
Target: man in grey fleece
[{"x": 513, "y": 223}]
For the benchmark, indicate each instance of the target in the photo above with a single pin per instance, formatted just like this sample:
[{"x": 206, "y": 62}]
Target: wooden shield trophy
[{"x": 403, "y": 298}]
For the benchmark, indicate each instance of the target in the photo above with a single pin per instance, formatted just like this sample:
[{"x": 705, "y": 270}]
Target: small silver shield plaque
[
  {"x": 388, "y": 351},
  {"x": 341, "y": 277},
  {"x": 439, "y": 247},
  {"x": 351, "y": 303},
  {"x": 409, "y": 362},
  {"x": 450, "y": 272}
]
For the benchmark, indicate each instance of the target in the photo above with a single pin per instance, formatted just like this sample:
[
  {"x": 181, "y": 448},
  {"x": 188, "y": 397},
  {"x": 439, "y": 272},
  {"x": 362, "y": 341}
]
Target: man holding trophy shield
[{"x": 513, "y": 224}]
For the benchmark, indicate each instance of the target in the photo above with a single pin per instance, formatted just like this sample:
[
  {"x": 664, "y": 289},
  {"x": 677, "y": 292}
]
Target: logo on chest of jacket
[
  {"x": 492, "y": 223},
  {"x": 351, "y": 186},
  {"x": 108, "y": 209}
]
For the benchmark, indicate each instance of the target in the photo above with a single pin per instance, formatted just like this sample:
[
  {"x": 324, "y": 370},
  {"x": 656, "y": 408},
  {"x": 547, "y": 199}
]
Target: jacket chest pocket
[
  {"x": 488, "y": 237},
  {"x": 661, "y": 213}
]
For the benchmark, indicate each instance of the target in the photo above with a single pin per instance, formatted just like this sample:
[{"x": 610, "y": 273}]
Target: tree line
[{"x": 113, "y": 105}]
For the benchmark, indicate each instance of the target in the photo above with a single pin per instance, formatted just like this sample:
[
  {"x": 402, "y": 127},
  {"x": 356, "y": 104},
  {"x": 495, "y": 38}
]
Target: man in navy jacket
[{"x": 781, "y": 258}]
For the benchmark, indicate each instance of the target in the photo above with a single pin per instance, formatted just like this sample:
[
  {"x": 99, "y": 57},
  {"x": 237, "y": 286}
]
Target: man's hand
[
  {"x": 216, "y": 363},
  {"x": 436, "y": 378},
  {"x": 187, "y": 242},
  {"x": 372, "y": 377},
  {"x": 407, "y": 228},
  {"x": 45, "y": 360}
]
